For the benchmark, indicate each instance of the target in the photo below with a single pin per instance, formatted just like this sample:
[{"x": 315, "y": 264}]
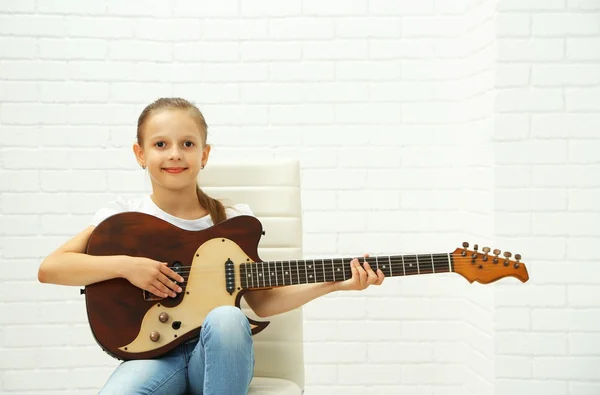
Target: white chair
[{"x": 272, "y": 190}]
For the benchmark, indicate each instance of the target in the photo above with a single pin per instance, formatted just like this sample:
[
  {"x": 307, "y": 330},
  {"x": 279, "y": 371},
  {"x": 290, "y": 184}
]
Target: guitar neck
[{"x": 256, "y": 275}]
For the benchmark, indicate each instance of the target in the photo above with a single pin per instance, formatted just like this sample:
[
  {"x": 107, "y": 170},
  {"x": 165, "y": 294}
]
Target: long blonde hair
[{"x": 214, "y": 207}]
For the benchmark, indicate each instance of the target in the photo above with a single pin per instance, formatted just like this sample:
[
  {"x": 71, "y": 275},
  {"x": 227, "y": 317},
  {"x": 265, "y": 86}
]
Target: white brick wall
[
  {"x": 418, "y": 125},
  {"x": 547, "y": 179}
]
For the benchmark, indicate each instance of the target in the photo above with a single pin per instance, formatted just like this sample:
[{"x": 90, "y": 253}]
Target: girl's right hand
[{"x": 153, "y": 276}]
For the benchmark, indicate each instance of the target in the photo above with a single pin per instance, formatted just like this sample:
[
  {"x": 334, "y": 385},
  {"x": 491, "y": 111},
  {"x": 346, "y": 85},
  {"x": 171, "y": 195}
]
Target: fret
[
  {"x": 403, "y": 266},
  {"x": 425, "y": 264},
  {"x": 418, "y": 269},
  {"x": 449, "y": 263},
  {"x": 339, "y": 269},
  {"x": 410, "y": 264},
  {"x": 313, "y": 276},
  {"x": 432, "y": 264},
  {"x": 332, "y": 269},
  {"x": 270, "y": 274},
  {"x": 298, "y": 274},
  {"x": 243, "y": 282},
  {"x": 302, "y": 278},
  {"x": 251, "y": 274},
  {"x": 290, "y": 271},
  {"x": 323, "y": 266},
  {"x": 390, "y": 263},
  {"x": 261, "y": 274},
  {"x": 279, "y": 274}
]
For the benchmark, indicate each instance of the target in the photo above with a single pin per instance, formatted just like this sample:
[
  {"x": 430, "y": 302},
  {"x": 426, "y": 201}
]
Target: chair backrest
[{"x": 272, "y": 190}]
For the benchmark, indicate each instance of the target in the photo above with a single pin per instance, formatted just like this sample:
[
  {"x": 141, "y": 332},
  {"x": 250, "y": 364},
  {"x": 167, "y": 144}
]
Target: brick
[
  {"x": 529, "y": 99},
  {"x": 573, "y": 224},
  {"x": 32, "y": 25},
  {"x": 385, "y": 374},
  {"x": 336, "y": 7},
  {"x": 235, "y": 29},
  {"x": 583, "y": 49},
  {"x": 77, "y": 48},
  {"x": 522, "y": 5},
  {"x": 92, "y": 27},
  {"x": 354, "y": 71},
  {"x": 132, "y": 50},
  {"x": 301, "y": 29},
  {"x": 18, "y": 6},
  {"x": 584, "y": 200},
  {"x": 513, "y": 367},
  {"x": 584, "y": 344},
  {"x": 71, "y": 7},
  {"x": 376, "y": 27},
  {"x": 513, "y": 386},
  {"x": 270, "y": 8},
  {"x": 537, "y": 49},
  {"x": 582, "y": 295},
  {"x": 69, "y": 92},
  {"x": 563, "y": 24},
  {"x": 540, "y": 296},
  {"x": 565, "y": 74},
  {"x": 581, "y": 368},
  {"x": 172, "y": 29},
  {"x": 510, "y": 75},
  {"x": 421, "y": 48},
  {"x": 335, "y": 50},
  {"x": 531, "y": 343},
  {"x": 582, "y": 99},
  {"x": 513, "y": 25},
  {"x": 191, "y": 8},
  {"x": 583, "y": 5},
  {"x": 565, "y": 124},
  {"x": 403, "y": 7},
  {"x": 266, "y": 50},
  {"x": 566, "y": 176},
  {"x": 18, "y": 48}
]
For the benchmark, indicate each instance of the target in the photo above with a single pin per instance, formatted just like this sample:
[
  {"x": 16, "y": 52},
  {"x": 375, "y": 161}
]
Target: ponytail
[{"x": 215, "y": 208}]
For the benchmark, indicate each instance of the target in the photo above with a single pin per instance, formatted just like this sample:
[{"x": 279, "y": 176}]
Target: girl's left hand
[{"x": 361, "y": 277}]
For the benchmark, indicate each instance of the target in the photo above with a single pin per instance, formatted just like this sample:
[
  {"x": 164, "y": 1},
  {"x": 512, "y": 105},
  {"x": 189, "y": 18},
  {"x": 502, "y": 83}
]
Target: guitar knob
[
  {"x": 154, "y": 336},
  {"x": 507, "y": 254},
  {"x": 163, "y": 317},
  {"x": 465, "y": 244}
]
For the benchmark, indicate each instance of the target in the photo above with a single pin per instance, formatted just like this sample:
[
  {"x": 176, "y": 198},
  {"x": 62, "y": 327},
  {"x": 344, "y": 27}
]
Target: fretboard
[{"x": 279, "y": 273}]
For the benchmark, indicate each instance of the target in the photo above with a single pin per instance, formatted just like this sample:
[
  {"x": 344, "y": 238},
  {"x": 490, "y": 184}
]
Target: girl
[{"x": 171, "y": 145}]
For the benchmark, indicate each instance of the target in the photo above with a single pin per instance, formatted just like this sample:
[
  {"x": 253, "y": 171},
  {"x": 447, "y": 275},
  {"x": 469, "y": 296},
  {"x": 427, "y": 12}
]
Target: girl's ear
[
  {"x": 205, "y": 154},
  {"x": 139, "y": 155}
]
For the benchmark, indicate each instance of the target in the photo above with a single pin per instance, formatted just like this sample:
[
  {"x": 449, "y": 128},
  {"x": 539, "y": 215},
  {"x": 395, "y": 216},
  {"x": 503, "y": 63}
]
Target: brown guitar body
[{"x": 129, "y": 323}]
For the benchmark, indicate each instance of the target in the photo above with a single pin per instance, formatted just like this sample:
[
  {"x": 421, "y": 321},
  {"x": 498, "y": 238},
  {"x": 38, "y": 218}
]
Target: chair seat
[{"x": 273, "y": 386}]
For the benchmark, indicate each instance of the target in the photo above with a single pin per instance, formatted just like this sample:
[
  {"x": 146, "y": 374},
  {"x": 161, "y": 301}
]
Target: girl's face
[{"x": 173, "y": 149}]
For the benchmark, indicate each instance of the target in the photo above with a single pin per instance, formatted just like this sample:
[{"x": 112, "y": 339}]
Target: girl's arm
[
  {"x": 70, "y": 265},
  {"x": 279, "y": 300}
]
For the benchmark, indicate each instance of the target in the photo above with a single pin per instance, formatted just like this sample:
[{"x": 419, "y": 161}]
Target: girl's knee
[{"x": 228, "y": 321}]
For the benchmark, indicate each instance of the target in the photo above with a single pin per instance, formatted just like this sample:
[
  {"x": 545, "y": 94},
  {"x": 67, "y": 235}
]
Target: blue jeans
[{"x": 220, "y": 362}]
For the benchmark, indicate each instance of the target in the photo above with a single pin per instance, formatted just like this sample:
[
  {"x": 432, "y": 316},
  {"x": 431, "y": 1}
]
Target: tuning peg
[
  {"x": 475, "y": 247},
  {"x": 496, "y": 252},
  {"x": 486, "y": 250},
  {"x": 518, "y": 258},
  {"x": 507, "y": 255},
  {"x": 465, "y": 244}
]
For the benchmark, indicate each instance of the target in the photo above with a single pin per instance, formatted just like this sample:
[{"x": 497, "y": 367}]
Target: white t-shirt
[{"x": 145, "y": 205}]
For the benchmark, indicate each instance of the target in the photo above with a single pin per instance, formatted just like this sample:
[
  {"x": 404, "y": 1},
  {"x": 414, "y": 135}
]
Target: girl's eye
[
  {"x": 160, "y": 144},
  {"x": 188, "y": 144}
]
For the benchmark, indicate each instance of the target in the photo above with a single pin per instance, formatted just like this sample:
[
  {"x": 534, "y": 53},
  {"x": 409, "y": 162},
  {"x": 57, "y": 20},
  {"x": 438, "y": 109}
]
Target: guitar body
[{"x": 129, "y": 323}]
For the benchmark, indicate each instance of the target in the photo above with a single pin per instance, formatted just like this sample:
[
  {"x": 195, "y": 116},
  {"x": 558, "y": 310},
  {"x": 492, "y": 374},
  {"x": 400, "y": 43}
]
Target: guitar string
[{"x": 303, "y": 263}]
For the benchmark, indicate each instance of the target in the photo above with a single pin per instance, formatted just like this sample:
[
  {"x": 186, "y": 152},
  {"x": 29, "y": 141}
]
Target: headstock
[{"x": 485, "y": 268}]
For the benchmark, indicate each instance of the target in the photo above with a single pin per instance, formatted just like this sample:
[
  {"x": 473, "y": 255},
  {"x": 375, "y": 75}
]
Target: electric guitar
[{"x": 218, "y": 265}]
